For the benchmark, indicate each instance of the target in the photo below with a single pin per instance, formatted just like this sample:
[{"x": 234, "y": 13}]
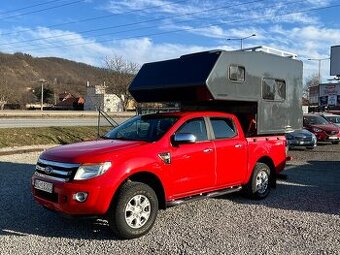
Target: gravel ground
[{"x": 301, "y": 216}]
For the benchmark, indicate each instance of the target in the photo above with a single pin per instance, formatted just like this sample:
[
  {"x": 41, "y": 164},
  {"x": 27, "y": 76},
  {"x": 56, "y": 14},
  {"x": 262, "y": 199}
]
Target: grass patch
[{"x": 47, "y": 135}]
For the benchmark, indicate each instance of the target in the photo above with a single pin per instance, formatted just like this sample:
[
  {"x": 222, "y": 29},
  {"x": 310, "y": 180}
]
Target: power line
[
  {"x": 29, "y": 7},
  {"x": 42, "y": 10},
  {"x": 154, "y": 26},
  {"x": 98, "y": 17},
  {"x": 134, "y": 23},
  {"x": 192, "y": 29}
]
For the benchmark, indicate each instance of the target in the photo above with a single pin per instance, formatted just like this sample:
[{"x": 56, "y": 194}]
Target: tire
[
  {"x": 258, "y": 186},
  {"x": 133, "y": 211},
  {"x": 335, "y": 142},
  {"x": 310, "y": 147}
]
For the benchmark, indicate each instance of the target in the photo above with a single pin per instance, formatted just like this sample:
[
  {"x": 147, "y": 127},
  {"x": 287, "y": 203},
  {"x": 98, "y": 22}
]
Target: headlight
[
  {"x": 88, "y": 171},
  {"x": 314, "y": 137},
  {"x": 317, "y": 130}
]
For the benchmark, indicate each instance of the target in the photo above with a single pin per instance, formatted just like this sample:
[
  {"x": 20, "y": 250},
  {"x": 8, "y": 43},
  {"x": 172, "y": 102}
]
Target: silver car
[{"x": 301, "y": 138}]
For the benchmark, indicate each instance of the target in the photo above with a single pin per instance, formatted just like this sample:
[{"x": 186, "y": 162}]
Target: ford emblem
[{"x": 48, "y": 170}]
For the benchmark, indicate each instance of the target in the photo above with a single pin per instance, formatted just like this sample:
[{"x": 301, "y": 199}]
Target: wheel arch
[{"x": 149, "y": 179}]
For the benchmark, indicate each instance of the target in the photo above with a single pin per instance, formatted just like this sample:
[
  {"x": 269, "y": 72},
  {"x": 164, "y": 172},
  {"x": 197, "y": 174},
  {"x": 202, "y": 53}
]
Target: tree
[
  {"x": 6, "y": 93},
  {"x": 311, "y": 81},
  {"x": 118, "y": 76},
  {"x": 48, "y": 94}
]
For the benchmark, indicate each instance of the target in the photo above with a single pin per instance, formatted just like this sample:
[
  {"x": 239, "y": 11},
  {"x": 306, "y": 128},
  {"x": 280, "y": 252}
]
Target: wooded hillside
[{"x": 20, "y": 73}]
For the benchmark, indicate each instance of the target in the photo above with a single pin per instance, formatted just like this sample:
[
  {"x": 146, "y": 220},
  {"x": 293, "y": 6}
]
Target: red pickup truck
[{"x": 154, "y": 161}]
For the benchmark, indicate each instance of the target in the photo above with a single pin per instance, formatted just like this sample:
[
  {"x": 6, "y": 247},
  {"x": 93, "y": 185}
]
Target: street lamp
[
  {"x": 42, "y": 94},
  {"x": 241, "y": 39},
  {"x": 319, "y": 60}
]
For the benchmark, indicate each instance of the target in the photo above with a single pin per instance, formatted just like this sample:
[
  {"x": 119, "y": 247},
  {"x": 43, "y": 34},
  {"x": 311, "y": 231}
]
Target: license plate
[
  {"x": 333, "y": 137},
  {"x": 44, "y": 186}
]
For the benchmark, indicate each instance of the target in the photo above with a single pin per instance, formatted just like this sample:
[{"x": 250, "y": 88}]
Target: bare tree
[
  {"x": 6, "y": 93},
  {"x": 311, "y": 81},
  {"x": 118, "y": 77}
]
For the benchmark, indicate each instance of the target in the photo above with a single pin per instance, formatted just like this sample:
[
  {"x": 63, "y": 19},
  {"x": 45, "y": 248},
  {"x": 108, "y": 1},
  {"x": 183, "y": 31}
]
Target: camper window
[
  {"x": 236, "y": 73},
  {"x": 273, "y": 89}
]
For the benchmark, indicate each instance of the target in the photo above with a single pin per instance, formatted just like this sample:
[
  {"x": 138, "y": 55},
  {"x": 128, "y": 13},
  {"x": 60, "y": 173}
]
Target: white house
[{"x": 96, "y": 97}]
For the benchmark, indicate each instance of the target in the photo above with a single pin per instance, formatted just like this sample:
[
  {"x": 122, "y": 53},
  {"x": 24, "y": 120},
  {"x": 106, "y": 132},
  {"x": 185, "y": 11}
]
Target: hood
[
  {"x": 301, "y": 133},
  {"x": 326, "y": 127},
  {"x": 90, "y": 151}
]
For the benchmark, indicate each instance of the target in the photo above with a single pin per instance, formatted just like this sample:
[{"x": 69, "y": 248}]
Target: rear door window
[{"x": 223, "y": 128}]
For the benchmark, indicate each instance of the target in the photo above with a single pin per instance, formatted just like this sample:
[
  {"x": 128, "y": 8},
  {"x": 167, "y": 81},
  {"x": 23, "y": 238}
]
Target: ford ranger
[{"x": 154, "y": 161}]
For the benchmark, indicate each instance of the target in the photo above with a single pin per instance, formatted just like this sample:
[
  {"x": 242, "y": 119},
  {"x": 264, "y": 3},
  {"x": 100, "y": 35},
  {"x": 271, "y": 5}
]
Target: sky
[{"x": 142, "y": 31}]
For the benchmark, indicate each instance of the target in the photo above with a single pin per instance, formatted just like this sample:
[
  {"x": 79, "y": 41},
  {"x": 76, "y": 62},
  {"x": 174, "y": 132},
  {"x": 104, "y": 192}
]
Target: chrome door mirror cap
[{"x": 183, "y": 138}]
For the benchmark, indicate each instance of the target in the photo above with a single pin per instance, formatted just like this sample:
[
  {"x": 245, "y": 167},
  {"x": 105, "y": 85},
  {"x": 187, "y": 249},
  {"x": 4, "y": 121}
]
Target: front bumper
[
  {"x": 301, "y": 143},
  {"x": 327, "y": 138},
  {"x": 61, "y": 199}
]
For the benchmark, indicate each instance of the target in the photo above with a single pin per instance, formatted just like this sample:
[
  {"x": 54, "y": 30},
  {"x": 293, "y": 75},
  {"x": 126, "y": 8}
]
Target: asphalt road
[
  {"x": 301, "y": 216},
  {"x": 51, "y": 122}
]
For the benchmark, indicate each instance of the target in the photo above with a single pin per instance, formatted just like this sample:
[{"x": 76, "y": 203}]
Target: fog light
[{"x": 80, "y": 197}]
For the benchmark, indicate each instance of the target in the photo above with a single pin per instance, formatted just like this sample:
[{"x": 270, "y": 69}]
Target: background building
[
  {"x": 327, "y": 95},
  {"x": 97, "y": 98}
]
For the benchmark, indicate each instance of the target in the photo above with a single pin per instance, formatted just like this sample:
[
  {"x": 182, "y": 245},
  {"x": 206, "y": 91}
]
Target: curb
[
  {"x": 25, "y": 149},
  {"x": 13, "y": 114}
]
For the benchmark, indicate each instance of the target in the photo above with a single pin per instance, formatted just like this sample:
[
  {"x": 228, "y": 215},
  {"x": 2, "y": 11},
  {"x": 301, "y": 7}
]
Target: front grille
[
  {"x": 56, "y": 171},
  {"x": 332, "y": 132},
  {"x": 305, "y": 139}
]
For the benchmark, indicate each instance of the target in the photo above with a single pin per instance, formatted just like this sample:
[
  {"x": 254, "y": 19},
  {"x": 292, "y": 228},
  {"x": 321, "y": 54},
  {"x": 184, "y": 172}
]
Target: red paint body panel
[
  {"x": 325, "y": 130},
  {"x": 193, "y": 169},
  {"x": 97, "y": 192}
]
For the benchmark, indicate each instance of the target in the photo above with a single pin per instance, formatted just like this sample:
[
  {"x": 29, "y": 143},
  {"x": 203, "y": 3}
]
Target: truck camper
[
  {"x": 228, "y": 136},
  {"x": 259, "y": 81}
]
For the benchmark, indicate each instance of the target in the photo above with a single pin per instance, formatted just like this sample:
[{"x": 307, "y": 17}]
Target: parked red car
[{"x": 324, "y": 130}]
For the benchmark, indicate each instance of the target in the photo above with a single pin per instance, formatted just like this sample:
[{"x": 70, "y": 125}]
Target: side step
[{"x": 203, "y": 196}]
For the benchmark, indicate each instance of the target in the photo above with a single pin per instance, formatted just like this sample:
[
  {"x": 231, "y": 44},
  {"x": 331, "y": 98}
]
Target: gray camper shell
[{"x": 246, "y": 83}]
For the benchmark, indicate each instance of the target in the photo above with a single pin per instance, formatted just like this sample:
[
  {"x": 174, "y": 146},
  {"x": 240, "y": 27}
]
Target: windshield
[
  {"x": 314, "y": 120},
  {"x": 334, "y": 119},
  {"x": 147, "y": 128}
]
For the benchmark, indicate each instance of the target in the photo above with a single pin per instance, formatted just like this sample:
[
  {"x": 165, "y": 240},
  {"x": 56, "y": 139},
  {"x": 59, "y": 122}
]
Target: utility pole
[
  {"x": 319, "y": 66},
  {"x": 42, "y": 94},
  {"x": 241, "y": 39}
]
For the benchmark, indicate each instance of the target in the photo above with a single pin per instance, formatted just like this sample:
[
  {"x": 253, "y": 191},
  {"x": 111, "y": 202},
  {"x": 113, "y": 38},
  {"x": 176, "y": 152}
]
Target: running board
[{"x": 203, "y": 196}]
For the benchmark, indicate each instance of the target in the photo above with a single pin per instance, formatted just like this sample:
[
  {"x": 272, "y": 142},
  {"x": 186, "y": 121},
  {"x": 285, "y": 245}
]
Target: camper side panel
[{"x": 274, "y": 82}]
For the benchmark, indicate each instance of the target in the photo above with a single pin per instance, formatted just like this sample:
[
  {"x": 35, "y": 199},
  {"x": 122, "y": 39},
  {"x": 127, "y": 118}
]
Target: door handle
[
  {"x": 207, "y": 150},
  {"x": 238, "y": 145}
]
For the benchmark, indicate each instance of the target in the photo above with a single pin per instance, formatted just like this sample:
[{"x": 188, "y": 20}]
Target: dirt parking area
[{"x": 301, "y": 216}]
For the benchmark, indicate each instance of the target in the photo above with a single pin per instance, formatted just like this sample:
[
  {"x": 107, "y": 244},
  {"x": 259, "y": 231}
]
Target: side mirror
[{"x": 183, "y": 138}]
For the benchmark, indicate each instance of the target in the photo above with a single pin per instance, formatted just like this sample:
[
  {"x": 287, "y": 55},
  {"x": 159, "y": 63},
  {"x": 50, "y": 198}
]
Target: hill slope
[{"x": 19, "y": 72}]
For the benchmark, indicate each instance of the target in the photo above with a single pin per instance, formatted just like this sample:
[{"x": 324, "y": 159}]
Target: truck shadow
[
  {"x": 21, "y": 216},
  {"x": 312, "y": 187}
]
